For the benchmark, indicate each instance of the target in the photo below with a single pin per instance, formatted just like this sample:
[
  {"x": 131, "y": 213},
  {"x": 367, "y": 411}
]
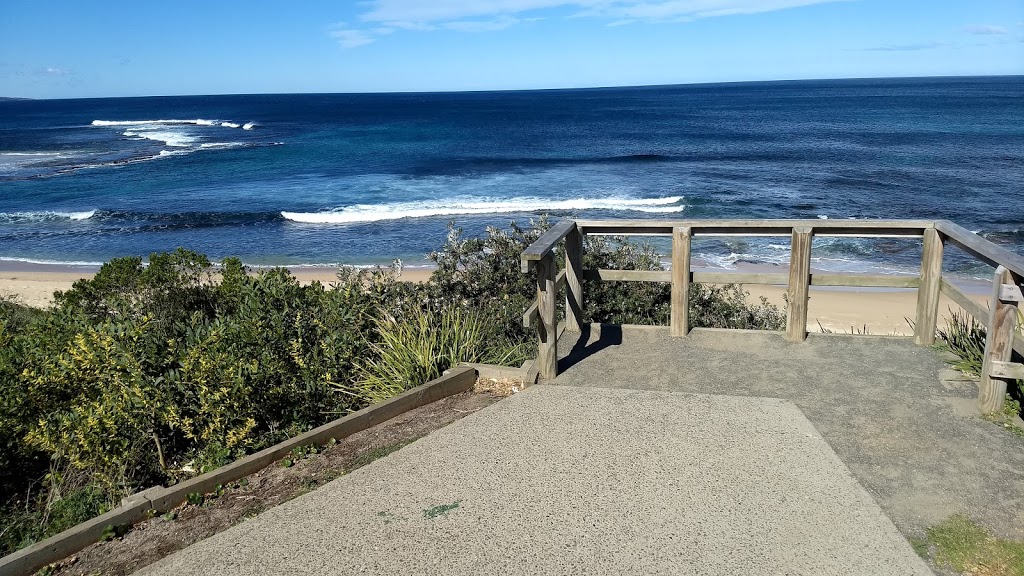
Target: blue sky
[{"x": 66, "y": 49}]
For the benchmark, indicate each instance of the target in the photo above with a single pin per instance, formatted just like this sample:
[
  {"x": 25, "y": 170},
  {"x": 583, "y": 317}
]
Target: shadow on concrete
[{"x": 607, "y": 335}]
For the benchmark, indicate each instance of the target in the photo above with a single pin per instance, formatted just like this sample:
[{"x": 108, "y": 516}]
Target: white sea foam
[
  {"x": 13, "y": 161},
  {"x": 215, "y": 145},
  {"x": 174, "y": 133},
  {"x": 248, "y": 126},
  {"x": 194, "y": 122},
  {"x": 49, "y": 262},
  {"x": 45, "y": 216},
  {"x": 168, "y": 137},
  {"x": 424, "y": 209}
]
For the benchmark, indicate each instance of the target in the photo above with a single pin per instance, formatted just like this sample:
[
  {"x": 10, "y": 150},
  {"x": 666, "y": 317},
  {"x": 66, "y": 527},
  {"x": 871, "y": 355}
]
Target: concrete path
[
  {"x": 556, "y": 480},
  {"x": 902, "y": 422}
]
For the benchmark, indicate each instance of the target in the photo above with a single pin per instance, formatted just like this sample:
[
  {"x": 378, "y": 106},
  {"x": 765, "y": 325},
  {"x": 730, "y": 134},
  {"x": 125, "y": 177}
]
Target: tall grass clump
[
  {"x": 421, "y": 346},
  {"x": 965, "y": 338}
]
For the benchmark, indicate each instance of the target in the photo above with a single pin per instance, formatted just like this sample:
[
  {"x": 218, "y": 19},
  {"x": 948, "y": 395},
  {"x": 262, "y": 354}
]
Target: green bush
[{"x": 485, "y": 273}]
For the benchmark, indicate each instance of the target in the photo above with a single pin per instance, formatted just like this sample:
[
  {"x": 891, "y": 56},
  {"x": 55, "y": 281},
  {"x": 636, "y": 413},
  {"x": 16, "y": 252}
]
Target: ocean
[{"x": 327, "y": 179}]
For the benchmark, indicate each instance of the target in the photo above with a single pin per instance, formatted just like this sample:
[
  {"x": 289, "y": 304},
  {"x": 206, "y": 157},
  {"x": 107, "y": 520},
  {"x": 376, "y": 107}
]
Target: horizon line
[{"x": 506, "y": 90}]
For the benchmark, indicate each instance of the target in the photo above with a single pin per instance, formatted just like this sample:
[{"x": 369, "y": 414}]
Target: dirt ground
[{"x": 153, "y": 539}]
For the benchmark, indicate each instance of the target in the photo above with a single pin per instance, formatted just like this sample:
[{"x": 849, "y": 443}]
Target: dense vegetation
[{"x": 150, "y": 374}]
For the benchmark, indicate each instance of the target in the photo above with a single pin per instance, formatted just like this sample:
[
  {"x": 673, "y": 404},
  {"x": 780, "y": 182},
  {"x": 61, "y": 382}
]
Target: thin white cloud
[
  {"x": 451, "y": 10},
  {"x": 490, "y": 25},
  {"x": 907, "y": 47},
  {"x": 985, "y": 29},
  {"x": 492, "y": 15},
  {"x": 351, "y": 37},
  {"x": 54, "y": 71},
  {"x": 686, "y": 10}
]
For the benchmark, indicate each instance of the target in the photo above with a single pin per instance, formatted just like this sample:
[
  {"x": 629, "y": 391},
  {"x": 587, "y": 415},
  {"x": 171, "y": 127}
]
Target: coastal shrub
[
  {"x": 484, "y": 272},
  {"x": 710, "y": 306},
  {"x": 167, "y": 291},
  {"x": 109, "y": 408}
]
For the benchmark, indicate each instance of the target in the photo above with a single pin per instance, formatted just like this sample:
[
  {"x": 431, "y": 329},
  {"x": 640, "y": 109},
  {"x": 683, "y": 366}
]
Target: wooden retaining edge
[
  {"x": 498, "y": 372},
  {"x": 58, "y": 547}
]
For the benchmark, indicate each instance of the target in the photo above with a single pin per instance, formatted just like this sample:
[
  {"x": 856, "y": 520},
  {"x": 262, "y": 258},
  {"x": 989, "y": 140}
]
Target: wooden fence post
[
  {"x": 573, "y": 288},
  {"x": 547, "y": 329},
  {"x": 680, "y": 321},
  {"x": 1002, "y": 323},
  {"x": 928, "y": 292},
  {"x": 799, "y": 284}
]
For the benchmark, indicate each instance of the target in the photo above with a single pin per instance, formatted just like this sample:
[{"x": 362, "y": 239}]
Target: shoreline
[{"x": 882, "y": 311}]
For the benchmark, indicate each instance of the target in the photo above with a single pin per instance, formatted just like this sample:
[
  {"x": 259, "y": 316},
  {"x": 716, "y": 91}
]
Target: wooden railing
[{"x": 1000, "y": 318}]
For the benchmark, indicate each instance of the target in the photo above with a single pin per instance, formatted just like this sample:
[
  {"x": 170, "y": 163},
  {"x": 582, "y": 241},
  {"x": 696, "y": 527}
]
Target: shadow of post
[{"x": 607, "y": 335}]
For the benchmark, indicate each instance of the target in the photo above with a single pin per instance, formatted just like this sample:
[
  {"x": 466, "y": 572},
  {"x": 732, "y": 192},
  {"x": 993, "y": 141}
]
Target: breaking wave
[
  {"x": 196, "y": 122},
  {"x": 44, "y": 216},
  {"x": 399, "y": 210}
]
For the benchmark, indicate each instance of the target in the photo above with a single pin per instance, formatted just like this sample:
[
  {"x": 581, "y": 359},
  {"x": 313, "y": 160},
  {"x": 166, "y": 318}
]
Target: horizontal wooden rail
[
  {"x": 978, "y": 311},
  {"x": 739, "y": 278},
  {"x": 981, "y": 248},
  {"x": 771, "y": 279},
  {"x": 1008, "y": 370},
  {"x": 857, "y": 228},
  {"x": 603, "y": 275},
  {"x": 545, "y": 244},
  {"x": 859, "y": 281}
]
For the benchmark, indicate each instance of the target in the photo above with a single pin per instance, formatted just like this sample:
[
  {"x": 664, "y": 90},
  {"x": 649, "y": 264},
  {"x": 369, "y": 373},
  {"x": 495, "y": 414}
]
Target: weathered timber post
[
  {"x": 547, "y": 329},
  {"x": 799, "y": 284},
  {"x": 574, "y": 290},
  {"x": 1002, "y": 323},
  {"x": 928, "y": 292},
  {"x": 680, "y": 321}
]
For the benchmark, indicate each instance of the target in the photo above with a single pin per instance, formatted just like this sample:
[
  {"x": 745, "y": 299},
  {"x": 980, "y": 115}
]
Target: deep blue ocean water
[{"x": 365, "y": 178}]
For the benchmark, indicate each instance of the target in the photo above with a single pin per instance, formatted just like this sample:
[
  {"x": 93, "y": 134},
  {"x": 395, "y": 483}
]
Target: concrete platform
[
  {"x": 907, "y": 427},
  {"x": 564, "y": 480}
]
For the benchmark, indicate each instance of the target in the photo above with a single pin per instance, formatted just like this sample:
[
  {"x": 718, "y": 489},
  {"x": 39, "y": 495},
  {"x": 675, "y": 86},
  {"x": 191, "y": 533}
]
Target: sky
[{"x": 73, "y": 49}]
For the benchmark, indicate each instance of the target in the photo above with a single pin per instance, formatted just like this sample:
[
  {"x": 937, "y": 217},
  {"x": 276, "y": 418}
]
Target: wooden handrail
[
  {"x": 929, "y": 282},
  {"x": 858, "y": 228},
  {"x": 981, "y": 248},
  {"x": 543, "y": 246},
  {"x": 765, "y": 279}
]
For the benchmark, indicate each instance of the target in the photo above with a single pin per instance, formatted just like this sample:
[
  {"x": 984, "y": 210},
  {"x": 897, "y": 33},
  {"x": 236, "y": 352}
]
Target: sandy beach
[
  {"x": 881, "y": 311},
  {"x": 34, "y": 284}
]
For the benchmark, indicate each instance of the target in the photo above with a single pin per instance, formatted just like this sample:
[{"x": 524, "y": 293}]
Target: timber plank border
[{"x": 59, "y": 546}]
